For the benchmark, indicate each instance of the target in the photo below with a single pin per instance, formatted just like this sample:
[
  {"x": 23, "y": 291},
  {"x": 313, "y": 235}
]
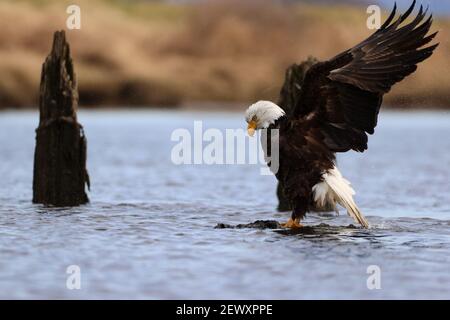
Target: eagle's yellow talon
[{"x": 293, "y": 224}]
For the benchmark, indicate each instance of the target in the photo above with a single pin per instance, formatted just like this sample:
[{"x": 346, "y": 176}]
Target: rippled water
[{"x": 149, "y": 229}]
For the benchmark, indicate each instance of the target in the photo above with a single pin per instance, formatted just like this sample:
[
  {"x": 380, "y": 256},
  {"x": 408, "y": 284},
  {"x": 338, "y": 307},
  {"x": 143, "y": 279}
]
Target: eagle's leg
[
  {"x": 298, "y": 213},
  {"x": 292, "y": 223}
]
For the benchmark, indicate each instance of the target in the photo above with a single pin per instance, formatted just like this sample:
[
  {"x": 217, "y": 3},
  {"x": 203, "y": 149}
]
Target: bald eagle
[{"x": 337, "y": 107}]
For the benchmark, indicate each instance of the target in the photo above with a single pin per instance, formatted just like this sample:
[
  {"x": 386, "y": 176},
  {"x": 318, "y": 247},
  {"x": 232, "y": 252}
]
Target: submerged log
[
  {"x": 258, "y": 224},
  {"x": 289, "y": 94},
  {"x": 317, "y": 230},
  {"x": 60, "y": 173}
]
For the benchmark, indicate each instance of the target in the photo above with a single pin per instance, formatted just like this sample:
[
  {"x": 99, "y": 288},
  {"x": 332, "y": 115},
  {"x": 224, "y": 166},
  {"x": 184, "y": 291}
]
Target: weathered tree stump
[
  {"x": 60, "y": 173},
  {"x": 289, "y": 94}
]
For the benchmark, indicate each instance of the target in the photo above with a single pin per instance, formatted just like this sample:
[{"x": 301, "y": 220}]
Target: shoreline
[{"x": 161, "y": 54}]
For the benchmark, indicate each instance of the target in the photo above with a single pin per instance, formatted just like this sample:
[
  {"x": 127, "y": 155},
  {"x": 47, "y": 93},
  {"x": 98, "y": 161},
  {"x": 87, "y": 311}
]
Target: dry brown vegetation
[{"x": 161, "y": 54}]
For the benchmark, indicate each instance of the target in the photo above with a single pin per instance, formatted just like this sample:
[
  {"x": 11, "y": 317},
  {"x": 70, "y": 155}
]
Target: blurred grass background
[{"x": 141, "y": 53}]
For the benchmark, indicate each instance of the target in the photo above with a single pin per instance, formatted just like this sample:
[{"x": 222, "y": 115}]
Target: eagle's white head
[{"x": 261, "y": 115}]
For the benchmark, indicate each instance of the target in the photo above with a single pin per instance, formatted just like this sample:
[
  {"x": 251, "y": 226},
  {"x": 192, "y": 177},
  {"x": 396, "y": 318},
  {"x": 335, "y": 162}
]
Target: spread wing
[{"x": 343, "y": 95}]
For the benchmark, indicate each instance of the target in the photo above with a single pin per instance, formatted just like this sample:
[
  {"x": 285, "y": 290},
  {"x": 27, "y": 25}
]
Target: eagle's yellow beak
[{"x": 251, "y": 128}]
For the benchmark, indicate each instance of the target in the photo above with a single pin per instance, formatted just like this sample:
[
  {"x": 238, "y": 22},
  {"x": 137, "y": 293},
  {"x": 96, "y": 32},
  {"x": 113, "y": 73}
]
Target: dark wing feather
[{"x": 344, "y": 94}]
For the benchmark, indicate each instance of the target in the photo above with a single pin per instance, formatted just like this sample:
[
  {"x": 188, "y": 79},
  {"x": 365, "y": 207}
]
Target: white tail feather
[{"x": 336, "y": 189}]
